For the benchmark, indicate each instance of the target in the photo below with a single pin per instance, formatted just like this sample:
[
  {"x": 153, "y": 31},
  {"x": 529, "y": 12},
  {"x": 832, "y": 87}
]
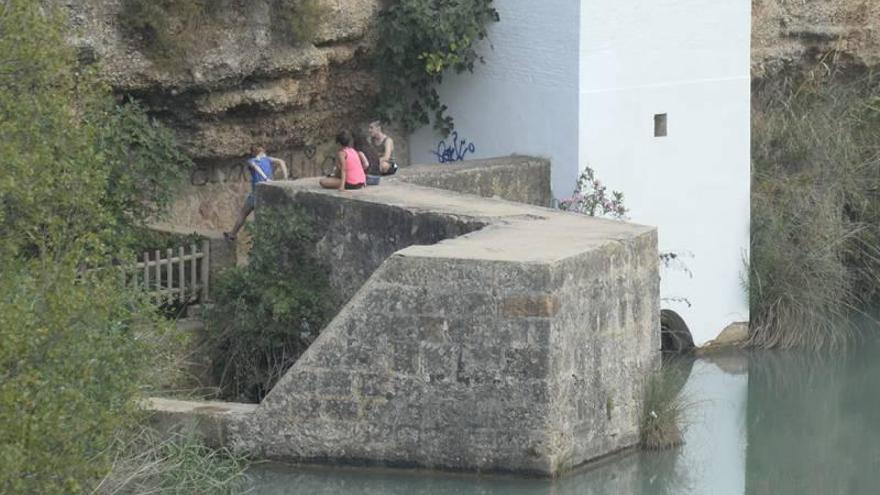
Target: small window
[{"x": 660, "y": 125}]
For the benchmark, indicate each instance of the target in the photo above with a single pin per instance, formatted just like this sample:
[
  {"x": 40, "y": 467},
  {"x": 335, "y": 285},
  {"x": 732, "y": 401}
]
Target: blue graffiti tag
[{"x": 455, "y": 151}]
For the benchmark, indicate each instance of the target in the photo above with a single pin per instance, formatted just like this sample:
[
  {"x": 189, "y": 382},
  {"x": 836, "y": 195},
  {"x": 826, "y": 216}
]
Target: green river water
[{"x": 776, "y": 422}]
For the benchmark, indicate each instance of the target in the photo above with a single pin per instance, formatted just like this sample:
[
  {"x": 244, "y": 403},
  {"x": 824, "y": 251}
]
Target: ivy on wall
[{"x": 420, "y": 40}]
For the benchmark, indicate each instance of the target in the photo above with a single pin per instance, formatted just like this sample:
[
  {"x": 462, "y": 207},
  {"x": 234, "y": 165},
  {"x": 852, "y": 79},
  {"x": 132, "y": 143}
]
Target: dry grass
[
  {"x": 815, "y": 175},
  {"x": 665, "y": 407},
  {"x": 149, "y": 463}
]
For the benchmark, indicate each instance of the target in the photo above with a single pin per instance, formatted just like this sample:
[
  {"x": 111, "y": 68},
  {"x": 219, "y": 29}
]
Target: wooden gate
[{"x": 178, "y": 275}]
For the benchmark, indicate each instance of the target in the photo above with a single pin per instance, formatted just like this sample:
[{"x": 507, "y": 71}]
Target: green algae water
[{"x": 776, "y": 422}]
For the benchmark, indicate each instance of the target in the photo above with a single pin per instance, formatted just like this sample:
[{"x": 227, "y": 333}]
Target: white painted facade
[{"x": 579, "y": 82}]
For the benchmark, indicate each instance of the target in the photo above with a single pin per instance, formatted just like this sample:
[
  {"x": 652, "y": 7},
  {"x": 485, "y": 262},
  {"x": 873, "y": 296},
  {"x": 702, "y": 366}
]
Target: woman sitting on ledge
[{"x": 351, "y": 170}]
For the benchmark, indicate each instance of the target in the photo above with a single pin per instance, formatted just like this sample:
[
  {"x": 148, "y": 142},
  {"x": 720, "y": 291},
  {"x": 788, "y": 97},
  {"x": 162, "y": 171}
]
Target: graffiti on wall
[
  {"x": 312, "y": 161},
  {"x": 204, "y": 174},
  {"x": 455, "y": 150}
]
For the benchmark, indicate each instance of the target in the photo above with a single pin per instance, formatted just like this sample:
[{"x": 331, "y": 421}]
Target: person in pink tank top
[{"x": 351, "y": 168}]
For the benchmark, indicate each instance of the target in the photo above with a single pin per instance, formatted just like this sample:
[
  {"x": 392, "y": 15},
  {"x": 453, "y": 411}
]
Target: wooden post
[
  {"x": 157, "y": 293},
  {"x": 181, "y": 274},
  {"x": 193, "y": 276},
  {"x": 206, "y": 268},
  {"x": 169, "y": 273},
  {"x": 147, "y": 271}
]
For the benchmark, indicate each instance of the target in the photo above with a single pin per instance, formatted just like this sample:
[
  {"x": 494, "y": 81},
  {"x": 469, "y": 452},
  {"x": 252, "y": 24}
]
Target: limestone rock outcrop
[
  {"x": 238, "y": 82},
  {"x": 795, "y": 35}
]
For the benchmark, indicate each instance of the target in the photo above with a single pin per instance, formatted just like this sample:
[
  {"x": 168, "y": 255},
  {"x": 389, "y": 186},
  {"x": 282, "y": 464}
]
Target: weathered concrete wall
[
  {"x": 216, "y": 423},
  {"x": 355, "y": 238},
  {"x": 519, "y": 347},
  {"x": 600, "y": 366},
  {"x": 522, "y": 179}
]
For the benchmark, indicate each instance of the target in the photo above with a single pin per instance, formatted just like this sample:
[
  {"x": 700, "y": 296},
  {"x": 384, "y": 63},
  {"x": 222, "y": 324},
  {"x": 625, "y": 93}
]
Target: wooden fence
[{"x": 175, "y": 275}]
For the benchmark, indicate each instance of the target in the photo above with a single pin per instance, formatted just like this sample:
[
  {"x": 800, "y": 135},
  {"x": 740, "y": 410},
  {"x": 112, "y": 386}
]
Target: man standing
[
  {"x": 260, "y": 167},
  {"x": 384, "y": 147}
]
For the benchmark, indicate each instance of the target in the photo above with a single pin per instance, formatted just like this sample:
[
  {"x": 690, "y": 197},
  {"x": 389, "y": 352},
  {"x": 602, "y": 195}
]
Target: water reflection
[
  {"x": 763, "y": 423},
  {"x": 814, "y": 422}
]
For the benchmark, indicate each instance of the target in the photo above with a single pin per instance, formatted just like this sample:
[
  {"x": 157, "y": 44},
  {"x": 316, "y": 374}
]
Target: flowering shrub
[{"x": 591, "y": 197}]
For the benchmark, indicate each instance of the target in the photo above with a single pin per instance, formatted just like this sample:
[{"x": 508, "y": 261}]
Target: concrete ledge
[
  {"x": 523, "y": 179},
  {"x": 516, "y": 340},
  {"x": 216, "y": 423},
  {"x": 476, "y": 335}
]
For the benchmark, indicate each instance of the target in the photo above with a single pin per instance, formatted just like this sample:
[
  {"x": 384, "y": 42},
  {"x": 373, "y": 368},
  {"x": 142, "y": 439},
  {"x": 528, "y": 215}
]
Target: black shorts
[{"x": 354, "y": 186}]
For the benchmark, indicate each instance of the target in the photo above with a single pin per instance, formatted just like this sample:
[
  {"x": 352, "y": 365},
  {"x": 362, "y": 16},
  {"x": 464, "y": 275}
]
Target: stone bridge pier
[{"x": 479, "y": 334}]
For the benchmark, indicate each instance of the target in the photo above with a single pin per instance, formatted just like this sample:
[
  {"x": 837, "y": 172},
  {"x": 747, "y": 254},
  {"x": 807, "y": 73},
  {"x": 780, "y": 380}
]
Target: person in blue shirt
[{"x": 262, "y": 170}]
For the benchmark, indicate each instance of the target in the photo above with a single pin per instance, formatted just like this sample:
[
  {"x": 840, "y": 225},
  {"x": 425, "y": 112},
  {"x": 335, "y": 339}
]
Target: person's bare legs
[
  {"x": 330, "y": 182},
  {"x": 246, "y": 210}
]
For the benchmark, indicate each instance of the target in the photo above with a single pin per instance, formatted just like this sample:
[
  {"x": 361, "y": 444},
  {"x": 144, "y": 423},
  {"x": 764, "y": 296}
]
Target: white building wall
[
  {"x": 690, "y": 60},
  {"x": 524, "y": 98},
  {"x": 579, "y": 82}
]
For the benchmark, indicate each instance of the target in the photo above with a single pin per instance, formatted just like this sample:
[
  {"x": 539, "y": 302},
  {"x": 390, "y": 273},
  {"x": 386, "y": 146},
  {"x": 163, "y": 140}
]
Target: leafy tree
[
  {"x": 70, "y": 366},
  {"x": 79, "y": 170},
  {"x": 80, "y": 176},
  {"x": 420, "y": 41},
  {"x": 144, "y": 164}
]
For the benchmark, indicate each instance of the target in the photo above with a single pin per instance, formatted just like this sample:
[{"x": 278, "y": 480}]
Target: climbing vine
[{"x": 421, "y": 40}]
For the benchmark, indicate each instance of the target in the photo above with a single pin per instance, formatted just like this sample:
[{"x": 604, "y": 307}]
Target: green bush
[
  {"x": 71, "y": 365},
  {"x": 815, "y": 179},
  {"x": 148, "y": 462},
  {"x": 268, "y": 312},
  {"x": 78, "y": 347},
  {"x": 420, "y": 40},
  {"x": 79, "y": 170},
  {"x": 146, "y": 165}
]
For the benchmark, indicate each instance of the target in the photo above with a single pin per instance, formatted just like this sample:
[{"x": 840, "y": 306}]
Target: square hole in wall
[{"x": 660, "y": 125}]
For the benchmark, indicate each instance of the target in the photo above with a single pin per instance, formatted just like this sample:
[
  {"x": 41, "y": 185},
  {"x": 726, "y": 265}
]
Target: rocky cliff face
[
  {"x": 795, "y": 34},
  {"x": 239, "y": 83}
]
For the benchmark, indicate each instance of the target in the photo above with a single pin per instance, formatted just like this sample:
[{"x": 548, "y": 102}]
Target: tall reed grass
[
  {"x": 148, "y": 462},
  {"x": 815, "y": 243},
  {"x": 666, "y": 406}
]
